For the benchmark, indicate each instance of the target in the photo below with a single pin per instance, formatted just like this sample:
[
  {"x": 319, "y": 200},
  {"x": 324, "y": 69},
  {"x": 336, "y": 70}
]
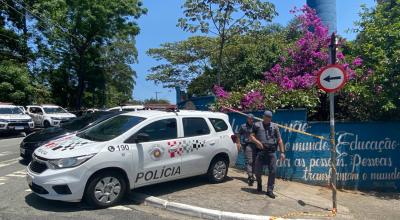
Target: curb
[{"x": 194, "y": 210}]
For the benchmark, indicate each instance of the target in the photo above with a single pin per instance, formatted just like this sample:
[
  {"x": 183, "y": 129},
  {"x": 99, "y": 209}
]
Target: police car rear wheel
[
  {"x": 105, "y": 190},
  {"x": 218, "y": 170}
]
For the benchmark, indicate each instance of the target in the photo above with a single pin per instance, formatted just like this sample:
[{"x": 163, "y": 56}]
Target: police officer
[
  {"x": 267, "y": 138},
  {"x": 250, "y": 148}
]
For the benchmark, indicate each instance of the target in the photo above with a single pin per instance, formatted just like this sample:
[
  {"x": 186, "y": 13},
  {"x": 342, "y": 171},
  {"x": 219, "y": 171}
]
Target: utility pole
[
  {"x": 332, "y": 60},
  {"x": 157, "y": 95}
]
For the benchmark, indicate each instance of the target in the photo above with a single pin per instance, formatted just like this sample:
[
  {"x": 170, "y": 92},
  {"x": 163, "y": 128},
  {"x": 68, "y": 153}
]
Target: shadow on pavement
[
  {"x": 42, "y": 204},
  {"x": 12, "y": 135},
  {"x": 176, "y": 185},
  {"x": 24, "y": 162},
  {"x": 54, "y": 206},
  {"x": 302, "y": 203}
]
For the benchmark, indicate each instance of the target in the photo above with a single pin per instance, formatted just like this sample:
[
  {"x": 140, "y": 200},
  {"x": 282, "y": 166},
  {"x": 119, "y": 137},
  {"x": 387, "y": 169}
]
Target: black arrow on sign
[{"x": 329, "y": 78}]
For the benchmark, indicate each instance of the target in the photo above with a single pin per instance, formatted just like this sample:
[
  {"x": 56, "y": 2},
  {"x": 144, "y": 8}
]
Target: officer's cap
[
  {"x": 268, "y": 114},
  {"x": 250, "y": 116}
]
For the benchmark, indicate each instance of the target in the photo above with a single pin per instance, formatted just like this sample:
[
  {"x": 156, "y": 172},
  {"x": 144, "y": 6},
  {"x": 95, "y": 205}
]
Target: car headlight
[
  {"x": 69, "y": 162},
  {"x": 3, "y": 120}
]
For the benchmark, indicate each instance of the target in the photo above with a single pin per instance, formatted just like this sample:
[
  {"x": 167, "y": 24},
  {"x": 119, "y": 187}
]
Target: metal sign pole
[{"x": 332, "y": 53}]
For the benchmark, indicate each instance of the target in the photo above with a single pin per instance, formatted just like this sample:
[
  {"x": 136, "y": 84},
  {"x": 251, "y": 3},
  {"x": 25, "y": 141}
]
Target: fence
[{"x": 368, "y": 152}]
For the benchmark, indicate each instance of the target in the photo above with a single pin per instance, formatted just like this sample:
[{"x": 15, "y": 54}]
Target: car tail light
[{"x": 234, "y": 138}]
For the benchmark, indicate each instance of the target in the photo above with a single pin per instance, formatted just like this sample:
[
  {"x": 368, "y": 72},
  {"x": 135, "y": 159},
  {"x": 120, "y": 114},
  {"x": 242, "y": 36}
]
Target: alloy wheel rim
[
  {"x": 219, "y": 170},
  {"x": 107, "y": 190}
]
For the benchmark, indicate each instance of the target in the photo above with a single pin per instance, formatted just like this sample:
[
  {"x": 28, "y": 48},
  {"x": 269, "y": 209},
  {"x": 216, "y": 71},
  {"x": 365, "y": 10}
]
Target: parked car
[
  {"x": 38, "y": 138},
  {"x": 49, "y": 115},
  {"x": 13, "y": 119},
  {"x": 127, "y": 108},
  {"x": 131, "y": 150}
]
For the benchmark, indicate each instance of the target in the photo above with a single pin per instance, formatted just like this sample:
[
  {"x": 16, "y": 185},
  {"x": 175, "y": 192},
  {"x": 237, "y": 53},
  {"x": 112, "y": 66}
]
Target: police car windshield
[
  {"x": 54, "y": 110},
  {"x": 111, "y": 128},
  {"x": 11, "y": 110}
]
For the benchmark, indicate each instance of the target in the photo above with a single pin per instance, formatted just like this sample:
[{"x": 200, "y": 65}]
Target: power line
[
  {"x": 39, "y": 18},
  {"x": 65, "y": 30},
  {"x": 16, "y": 10}
]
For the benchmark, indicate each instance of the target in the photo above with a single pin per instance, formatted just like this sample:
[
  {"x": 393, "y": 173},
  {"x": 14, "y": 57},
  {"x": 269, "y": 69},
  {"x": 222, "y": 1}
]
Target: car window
[
  {"x": 54, "y": 110},
  {"x": 218, "y": 124},
  {"x": 164, "y": 129},
  {"x": 195, "y": 127},
  {"x": 11, "y": 110},
  {"x": 111, "y": 128}
]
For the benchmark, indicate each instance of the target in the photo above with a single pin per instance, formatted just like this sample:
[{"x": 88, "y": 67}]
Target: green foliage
[
  {"x": 14, "y": 82},
  {"x": 155, "y": 101},
  {"x": 225, "y": 19},
  {"x": 192, "y": 63},
  {"x": 273, "y": 97},
  {"x": 88, "y": 49},
  {"x": 182, "y": 61},
  {"x": 376, "y": 94}
]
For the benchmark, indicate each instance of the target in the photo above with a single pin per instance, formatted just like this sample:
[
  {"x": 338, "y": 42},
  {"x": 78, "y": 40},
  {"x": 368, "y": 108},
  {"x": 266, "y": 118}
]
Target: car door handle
[{"x": 212, "y": 142}]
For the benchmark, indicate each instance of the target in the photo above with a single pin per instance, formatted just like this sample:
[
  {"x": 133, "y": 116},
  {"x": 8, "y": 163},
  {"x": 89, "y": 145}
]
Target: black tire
[
  {"x": 218, "y": 170},
  {"x": 91, "y": 190},
  {"x": 46, "y": 124}
]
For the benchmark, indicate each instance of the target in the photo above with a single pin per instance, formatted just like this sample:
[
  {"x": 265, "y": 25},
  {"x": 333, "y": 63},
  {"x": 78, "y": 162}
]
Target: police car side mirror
[{"x": 141, "y": 137}]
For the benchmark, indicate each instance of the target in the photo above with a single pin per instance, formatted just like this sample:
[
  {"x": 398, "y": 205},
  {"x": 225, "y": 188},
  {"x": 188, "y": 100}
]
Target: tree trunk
[
  {"x": 81, "y": 81},
  {"x": 220, "y": 68}
]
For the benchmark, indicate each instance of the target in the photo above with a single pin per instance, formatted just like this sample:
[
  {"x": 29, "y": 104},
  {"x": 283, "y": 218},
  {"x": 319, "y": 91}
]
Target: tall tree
[
  {"x": 75, "y": 33},
  {"x": 378, "y": 44},
  {"x": 225, "y": 19},
  {"x": 15, "y": 84}
]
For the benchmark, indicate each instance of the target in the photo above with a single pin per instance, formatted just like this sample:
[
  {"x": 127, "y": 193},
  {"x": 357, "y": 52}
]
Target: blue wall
[{"x": 368, "y": 153}]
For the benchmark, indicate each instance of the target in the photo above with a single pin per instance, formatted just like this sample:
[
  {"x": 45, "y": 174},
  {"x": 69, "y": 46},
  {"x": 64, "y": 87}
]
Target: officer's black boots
[
  {"x": 250, "y": 180},
  {"x": 270, "y": 194},
  {"x": 259, "y": 187}
]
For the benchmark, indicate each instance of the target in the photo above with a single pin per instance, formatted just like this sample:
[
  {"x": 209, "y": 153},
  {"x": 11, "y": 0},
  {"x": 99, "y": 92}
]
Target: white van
[
  {"x": 49, "y": 115},
  {"x": 132, "y": 150},
  {"x": 12, "y": 118}
]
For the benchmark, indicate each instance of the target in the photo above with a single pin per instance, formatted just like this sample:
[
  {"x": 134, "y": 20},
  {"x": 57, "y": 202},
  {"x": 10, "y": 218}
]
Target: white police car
[
  {"x": 132, "y": 150},
  {"x": 12, "y": 118},
  {"x": 49, "y": 115}
]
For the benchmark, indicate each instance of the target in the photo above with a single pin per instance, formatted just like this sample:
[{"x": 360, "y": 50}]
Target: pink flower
[
  {"x": 220, "y": 92},
  {"x": 357, "y": 62}
]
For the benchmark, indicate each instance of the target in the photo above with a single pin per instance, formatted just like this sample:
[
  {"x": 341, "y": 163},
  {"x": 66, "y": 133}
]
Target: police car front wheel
[
  {"x": 218, "y": 170},
  {"x": 105, "y": 189}
]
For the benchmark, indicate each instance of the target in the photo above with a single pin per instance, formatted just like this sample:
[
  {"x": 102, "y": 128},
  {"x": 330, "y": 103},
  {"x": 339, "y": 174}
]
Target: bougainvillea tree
[{"x": 292, "y": 81}]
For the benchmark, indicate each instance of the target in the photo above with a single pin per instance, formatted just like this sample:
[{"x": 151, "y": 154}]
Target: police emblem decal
[{"x": 156, "y": 152}]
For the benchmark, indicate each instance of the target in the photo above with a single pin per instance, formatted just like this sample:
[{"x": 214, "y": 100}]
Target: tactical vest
[
  {"x": 245, "y": 139},
  {"x": 267, "y": 136}
]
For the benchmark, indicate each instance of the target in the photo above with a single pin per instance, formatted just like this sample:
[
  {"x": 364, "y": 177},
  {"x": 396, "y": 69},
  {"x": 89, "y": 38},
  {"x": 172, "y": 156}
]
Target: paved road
[{"x": 18, "y": 202}]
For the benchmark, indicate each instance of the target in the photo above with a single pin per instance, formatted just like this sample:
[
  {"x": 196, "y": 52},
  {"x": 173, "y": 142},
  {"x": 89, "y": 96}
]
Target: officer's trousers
[
  {"x": 266, "y": 158},
  {"x": 250, "y": 151}
]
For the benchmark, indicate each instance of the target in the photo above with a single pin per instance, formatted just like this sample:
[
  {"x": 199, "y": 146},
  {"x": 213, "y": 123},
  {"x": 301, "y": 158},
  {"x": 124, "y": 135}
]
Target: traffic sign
[{"x": 331, "y": 78}]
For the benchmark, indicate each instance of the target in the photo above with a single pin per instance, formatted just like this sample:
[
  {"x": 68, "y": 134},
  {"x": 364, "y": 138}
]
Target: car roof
[
  {"x": 156, "y": 113},
  {"x": 47, "y": 105},
  {"x": 7, "y": 106}
]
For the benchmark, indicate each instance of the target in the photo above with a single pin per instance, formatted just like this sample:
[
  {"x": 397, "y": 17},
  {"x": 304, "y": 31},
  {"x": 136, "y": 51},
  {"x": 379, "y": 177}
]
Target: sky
[{"x": 159, "y": 26}]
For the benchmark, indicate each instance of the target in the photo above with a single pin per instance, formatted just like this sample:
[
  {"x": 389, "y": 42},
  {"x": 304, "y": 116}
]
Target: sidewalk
[{"x": 235, "y": 196}]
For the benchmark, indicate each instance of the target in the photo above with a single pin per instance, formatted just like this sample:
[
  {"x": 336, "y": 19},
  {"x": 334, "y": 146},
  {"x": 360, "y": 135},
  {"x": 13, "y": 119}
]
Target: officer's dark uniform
[
  {"x": 249, "y": 147},
  {"x": 268, "y": 135}
]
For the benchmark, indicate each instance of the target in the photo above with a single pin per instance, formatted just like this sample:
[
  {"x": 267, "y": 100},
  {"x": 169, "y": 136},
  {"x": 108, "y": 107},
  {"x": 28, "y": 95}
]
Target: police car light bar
[{"x": 162, "y": 107}]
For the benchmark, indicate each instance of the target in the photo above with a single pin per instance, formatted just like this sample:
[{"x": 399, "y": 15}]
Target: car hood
[
  {"x": 45, "y": 134},
  {"x": 62, "y": 115},
  {"x": 14, "y": 117},
  {"x": 68, "y": 146}
]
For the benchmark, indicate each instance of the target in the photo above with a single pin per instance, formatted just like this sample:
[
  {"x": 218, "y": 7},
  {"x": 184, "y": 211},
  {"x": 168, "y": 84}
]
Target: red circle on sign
[{"x": 327, "y": 67}]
